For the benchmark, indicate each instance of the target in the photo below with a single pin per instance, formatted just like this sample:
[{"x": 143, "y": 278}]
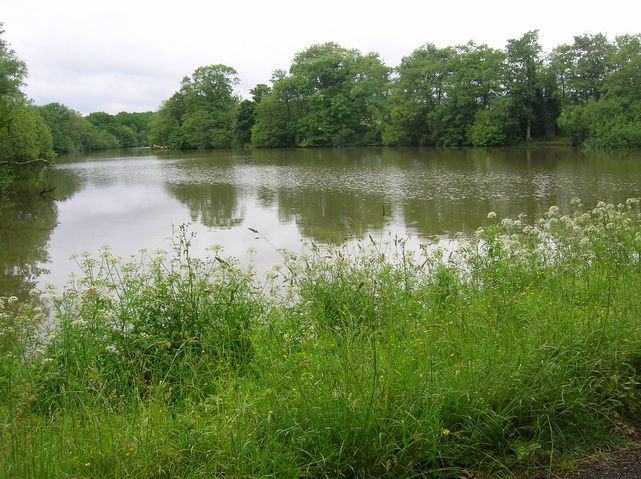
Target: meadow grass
[{"x": 515, "y": 352}]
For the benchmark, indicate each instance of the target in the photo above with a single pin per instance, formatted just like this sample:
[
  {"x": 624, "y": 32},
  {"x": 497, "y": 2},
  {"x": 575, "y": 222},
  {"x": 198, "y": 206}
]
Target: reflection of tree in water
[
  {"x": 27, "y": 220},
  {"x": 461, "y": 191},
  {"x": 213, "y": 205},
  {"x": 332, "y": 216}
]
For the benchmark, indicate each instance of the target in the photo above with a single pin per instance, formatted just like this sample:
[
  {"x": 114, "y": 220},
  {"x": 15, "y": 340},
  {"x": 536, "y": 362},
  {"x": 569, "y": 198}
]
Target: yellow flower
[
  {"x": 445, "y": 432},
  {"x": 87, "y": 464}
]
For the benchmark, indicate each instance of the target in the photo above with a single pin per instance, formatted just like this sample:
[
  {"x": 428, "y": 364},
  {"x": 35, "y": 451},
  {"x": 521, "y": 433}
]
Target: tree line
[
  {"x": 32, "y": 135},
  {"x": 466, "y": 95}
]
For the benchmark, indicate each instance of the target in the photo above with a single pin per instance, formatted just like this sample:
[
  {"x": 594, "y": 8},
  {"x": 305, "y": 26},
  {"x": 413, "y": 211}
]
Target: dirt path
[{"x": 624, "y": 464}]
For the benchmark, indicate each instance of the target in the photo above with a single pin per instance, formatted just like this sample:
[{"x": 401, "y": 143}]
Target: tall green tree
[
  {"x": 522, "y": 79},
  {"x": 581, "y": 68},
  {"x": 331, "y": 96},
  {"x": 201, "y": 114},
  {"x": 611, "y": 119},
  {"x": 438, "y": 92},
  {"x": 25, "y": 140}
]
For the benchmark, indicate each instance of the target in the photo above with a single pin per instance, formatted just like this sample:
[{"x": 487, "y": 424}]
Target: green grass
[{"x": 514, "y": 353}]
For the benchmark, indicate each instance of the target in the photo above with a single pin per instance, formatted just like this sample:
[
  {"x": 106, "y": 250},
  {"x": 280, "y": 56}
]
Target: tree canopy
[
  {"x": 470, "y": 94},
  {"x": 201, "y": 114},
  {"x": 25, "y": 139},
  {"x": 331, "y": 96}
]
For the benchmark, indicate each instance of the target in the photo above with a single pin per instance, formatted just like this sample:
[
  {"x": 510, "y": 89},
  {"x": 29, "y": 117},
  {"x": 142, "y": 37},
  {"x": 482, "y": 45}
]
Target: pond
[{"x": 132, "y": 199}]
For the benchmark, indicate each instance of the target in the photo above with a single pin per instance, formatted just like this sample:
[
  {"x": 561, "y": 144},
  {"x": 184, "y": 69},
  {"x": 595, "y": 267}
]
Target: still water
[{"x": 131, "y": 200}]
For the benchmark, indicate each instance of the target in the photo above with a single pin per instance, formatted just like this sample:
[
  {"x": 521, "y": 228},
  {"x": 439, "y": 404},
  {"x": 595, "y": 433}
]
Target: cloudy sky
[{"x": 117, "y": 55}]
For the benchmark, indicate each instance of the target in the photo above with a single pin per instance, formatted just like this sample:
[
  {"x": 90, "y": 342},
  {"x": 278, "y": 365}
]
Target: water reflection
[
  {"x": 131, "y": 199},
  {"x": 27, "y": 220},
  {"x": 213, "y": 205}
]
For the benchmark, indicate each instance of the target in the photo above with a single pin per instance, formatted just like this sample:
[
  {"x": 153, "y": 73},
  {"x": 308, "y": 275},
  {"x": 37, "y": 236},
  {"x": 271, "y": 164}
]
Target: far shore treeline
[{"x": 587, "y": 92}]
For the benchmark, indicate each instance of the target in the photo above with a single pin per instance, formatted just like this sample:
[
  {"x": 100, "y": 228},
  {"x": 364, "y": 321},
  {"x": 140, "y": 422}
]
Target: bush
[{"x": 173, "y": 323}]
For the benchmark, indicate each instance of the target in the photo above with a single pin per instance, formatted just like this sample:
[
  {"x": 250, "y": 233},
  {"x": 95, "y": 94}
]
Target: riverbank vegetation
[
  {"x": 465, "y": 95},
  {"x": 31, "y": 136},
  {"x": 517, "y": 350}
]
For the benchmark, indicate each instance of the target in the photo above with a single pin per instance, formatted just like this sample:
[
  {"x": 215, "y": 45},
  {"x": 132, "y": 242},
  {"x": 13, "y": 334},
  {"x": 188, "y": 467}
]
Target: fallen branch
[{"x": 20, "y": 163}]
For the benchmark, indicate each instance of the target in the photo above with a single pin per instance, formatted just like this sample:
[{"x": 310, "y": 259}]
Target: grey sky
[{"x": 130, "y": 55}]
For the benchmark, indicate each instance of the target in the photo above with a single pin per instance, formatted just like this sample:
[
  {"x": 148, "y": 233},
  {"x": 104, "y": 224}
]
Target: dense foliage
[
  {"x": 332, "y": 96},
  {"x": 201, "y": 114},
  {"x": 24, "y": 138},
  {"x": 453, "y": 96},
  {"x": 368, "y": 360},
  {"x": 30, "y": 135}
]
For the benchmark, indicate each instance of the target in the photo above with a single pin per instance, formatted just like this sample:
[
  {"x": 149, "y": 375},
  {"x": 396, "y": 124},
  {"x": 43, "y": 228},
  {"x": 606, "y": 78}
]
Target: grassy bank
[{"x": 365, "y": 361}]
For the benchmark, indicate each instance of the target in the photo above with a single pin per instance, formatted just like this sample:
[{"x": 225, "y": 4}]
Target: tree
[
  {"x": 201, "y": 114},
  {"x": 24, "y": 138},
  {"x": 624, "y": 79},
  {"x": 245, "y": 119},
  {"x": 607, "y": 113},
  {"x": 72, "y": 132},
  {"x": 522, "y": 71},
  {"x": 331, "y": 96},
  {"x": 259, "y": 91},
  {"x": 438, "y": 92},
  {"x": 582, "y": 67}
]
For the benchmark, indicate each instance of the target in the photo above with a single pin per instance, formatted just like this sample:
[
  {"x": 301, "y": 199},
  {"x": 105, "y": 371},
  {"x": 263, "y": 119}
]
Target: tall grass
[{"x": 514, "y": 352}]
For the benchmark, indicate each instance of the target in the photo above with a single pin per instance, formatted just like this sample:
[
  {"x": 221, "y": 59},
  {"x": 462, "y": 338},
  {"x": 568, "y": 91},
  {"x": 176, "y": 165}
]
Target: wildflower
[
  {"x": 11, "y": 299},
  {"x": 34, "y": 293},
  {"x": 491, "y": 215},
  {"x": 506, "y": 222},
  {"x": 445, "y": 432}
]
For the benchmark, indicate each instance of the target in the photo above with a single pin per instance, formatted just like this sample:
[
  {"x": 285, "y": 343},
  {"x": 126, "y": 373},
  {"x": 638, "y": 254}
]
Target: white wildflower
[
  {"x": 491, "y": 215},
  {"x": 34, "y": 293},
  {"x": 11, "y": 299}
]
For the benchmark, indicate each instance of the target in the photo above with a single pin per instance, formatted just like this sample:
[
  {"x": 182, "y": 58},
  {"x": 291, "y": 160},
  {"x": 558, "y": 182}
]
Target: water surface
[{"x": 132, "y": 199}]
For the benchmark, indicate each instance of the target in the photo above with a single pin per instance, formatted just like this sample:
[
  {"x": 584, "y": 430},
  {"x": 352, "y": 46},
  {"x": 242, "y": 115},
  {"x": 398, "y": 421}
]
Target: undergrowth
[{"x": 515, "y": 351}]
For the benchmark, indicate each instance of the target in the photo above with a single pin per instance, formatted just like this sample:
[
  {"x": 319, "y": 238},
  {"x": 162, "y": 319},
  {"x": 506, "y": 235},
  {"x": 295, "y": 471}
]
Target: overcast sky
[{"x": 116, "y": 55}]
